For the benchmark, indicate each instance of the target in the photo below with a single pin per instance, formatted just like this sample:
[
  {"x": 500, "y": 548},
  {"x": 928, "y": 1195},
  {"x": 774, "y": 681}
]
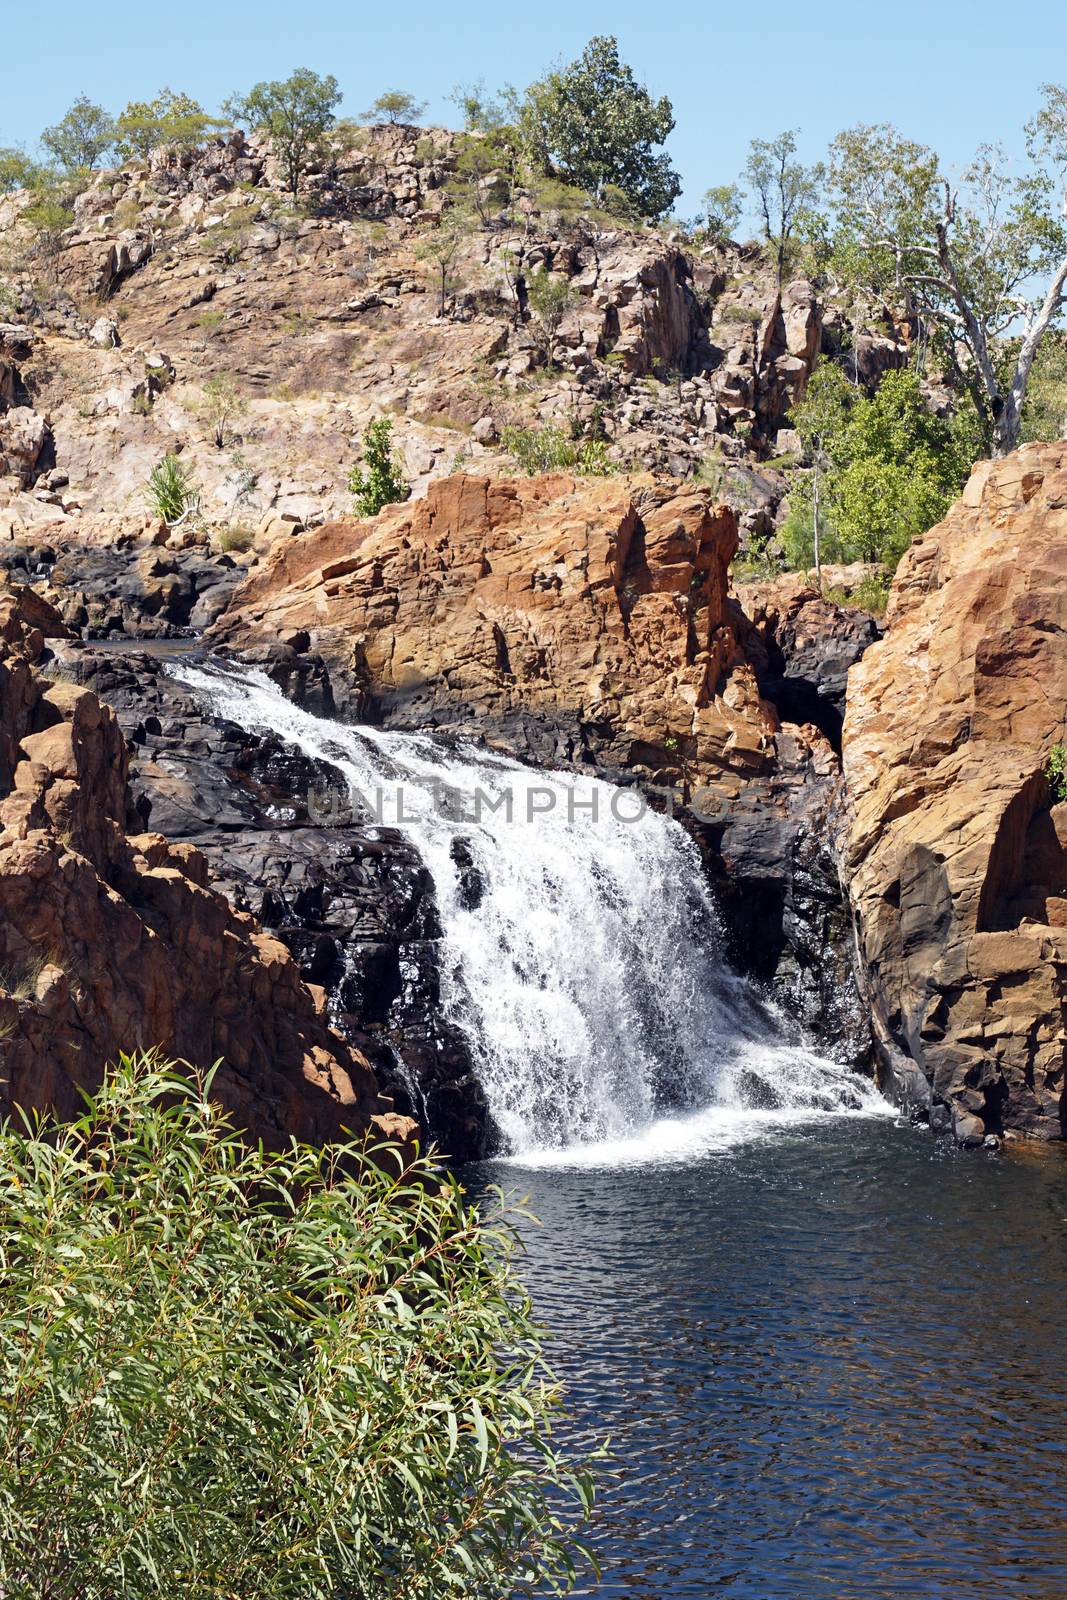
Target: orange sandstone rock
[{"x": 956, "y": 855}]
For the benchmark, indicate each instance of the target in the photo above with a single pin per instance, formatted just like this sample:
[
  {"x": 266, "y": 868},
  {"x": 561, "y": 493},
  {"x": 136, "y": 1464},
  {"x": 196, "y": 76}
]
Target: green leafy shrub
[
  {"x": 886, "y": 467},
  {"x": 221, "y": 405},
  {"x": 49, "y": 215},
  {"x": 723, "y": 208},
  {"x": 548, "y": 450},
  {"x": 171, "y": 490},
  {"x": 231, "y": 1374},
  {"x": 17, "y": 169},
  {"x": 169, "y": 119},
  {"x": 1056, "y": 773},
  {"x": 378, "y": 482},
  {"x": 550, "y": 298},
  {"x": 870, "y": 594}
]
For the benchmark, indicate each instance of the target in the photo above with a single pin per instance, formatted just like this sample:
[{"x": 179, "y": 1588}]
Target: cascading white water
[{"x": 585, "y": 966}]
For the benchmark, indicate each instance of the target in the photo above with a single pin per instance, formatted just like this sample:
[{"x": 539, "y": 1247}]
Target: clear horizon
[{"x": 934, "y": 74}]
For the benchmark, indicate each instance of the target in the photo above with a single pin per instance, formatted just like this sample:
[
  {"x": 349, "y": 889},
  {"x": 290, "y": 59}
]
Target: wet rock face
[
  {"x": 351, "y": 901},
  {"x": 114, "y": 939},
  {"x": 956, "y": 853}
]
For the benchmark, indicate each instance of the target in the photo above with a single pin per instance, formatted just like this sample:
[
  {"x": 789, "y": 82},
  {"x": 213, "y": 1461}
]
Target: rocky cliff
[
  {"x": 956, "y": 853},
  {"x": 113, "y": 941}
]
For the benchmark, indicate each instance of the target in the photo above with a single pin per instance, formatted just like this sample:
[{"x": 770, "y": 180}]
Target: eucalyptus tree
[
  {"x": 982, "y": 258},
  {"x": 296, "y": 113},
  {"x": 81, "y": 138},
  {"x": 599, "y": 127},
  {"x": 395, "y": 105},
  {"x": 723, "y": 208},
  {"x": 786, "y": 193}
]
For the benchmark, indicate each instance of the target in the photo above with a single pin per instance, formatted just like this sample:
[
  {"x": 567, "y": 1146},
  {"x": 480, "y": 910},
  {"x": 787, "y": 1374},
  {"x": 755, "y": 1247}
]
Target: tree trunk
[
  {"x": 1007, "y": 427},
  {"x": 815, "y": 532}
]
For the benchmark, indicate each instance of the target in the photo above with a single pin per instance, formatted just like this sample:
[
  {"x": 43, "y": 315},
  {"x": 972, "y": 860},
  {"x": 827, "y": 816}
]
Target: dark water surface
[{"x": 831, "y": 1358}]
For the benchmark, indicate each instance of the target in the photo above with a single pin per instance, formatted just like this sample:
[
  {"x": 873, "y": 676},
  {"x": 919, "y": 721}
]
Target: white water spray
[{"x": 581, "y": 950}]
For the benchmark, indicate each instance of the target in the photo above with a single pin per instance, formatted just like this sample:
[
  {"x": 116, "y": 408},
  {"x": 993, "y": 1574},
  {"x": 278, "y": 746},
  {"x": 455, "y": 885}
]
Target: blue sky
[{"x": 945, "y": 71}]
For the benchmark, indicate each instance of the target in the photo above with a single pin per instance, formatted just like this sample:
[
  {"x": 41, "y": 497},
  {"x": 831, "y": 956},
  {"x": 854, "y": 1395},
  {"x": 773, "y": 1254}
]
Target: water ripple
[{"x": 830, "y": 1358}]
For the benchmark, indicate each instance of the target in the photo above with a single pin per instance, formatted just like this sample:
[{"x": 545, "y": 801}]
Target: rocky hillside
[
  {"x": 195, "y": 265},
  {"x": 957, "y": 853}
]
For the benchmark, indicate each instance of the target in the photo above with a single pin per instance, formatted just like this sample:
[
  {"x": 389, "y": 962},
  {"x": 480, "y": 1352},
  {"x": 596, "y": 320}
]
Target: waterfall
[{"x": 581, "y": 946}]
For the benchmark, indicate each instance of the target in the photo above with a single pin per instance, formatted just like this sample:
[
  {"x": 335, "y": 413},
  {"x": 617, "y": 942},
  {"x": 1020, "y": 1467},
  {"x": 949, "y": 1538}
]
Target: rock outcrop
[
  {"x": 809, "y": 645},
  {"x": 956, "y": 854},
  {"x": 678, "y": 355},
  {"x": 113, "y": 941},
  {"x": 578, "y": 620}
]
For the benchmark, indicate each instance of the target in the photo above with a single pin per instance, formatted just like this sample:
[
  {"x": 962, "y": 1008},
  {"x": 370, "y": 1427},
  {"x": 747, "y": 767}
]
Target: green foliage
[
  {"x": 870, "y": 594},
  {"x": 49, "y": 215},
  {"x": 975, "y": 259},
  {"x": 549, "y": 450},
  {"x": 883, "y": 187},
  {"x": 549, "y": 297},
  {"x": 295, "y": 114},
  {"x": 482, "y": 112},
  {"x": 231, "y": 1374},
  {"x": 17, "y": 170},
  {"x": 786, "y": 193},
  {"x": 485, "y": 171},
  {"x": 81, "y": 139},
  {"x": 221, "y": 404},
  {"x": 1056, "y": 773},
  {"x": 169, "y": 119},
  {"x": 171, "y": 490},
  {"x": 887, "y": 467},
  {"x": 723, "y": 206},
  {"x": 1045, "y": 412},
  {"x": 438, "y": 248},
  {"x": 378, "y": 482},
  {"x": 395, "y": 106},
  {"x": 594, "y": 122}
]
